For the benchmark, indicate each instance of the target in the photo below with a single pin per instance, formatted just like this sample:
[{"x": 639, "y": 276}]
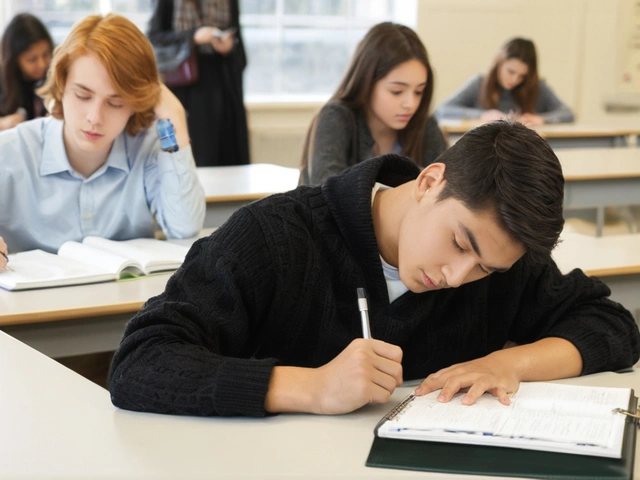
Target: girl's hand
[
  {"x": 223, "y": 45},
  {"x": 10, "y": 121},
  {"x": 531, "y": 119},
  {"x": 492, "y": 115},
  {"x": 203, "y": 35}
]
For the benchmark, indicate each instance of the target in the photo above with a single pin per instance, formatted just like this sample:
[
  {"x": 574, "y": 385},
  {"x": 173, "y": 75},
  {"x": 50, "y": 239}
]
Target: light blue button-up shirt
[{"x": 44, "y": 202}]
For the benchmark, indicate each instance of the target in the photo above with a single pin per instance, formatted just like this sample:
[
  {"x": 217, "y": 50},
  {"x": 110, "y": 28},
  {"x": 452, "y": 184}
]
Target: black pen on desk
[{"x": 364, "y": 313}]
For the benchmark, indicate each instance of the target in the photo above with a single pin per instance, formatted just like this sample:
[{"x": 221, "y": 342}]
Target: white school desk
[
  {"x": 228, "y": 188},
  {"x": 594, "y": 178},
  {"x": 78, "y": 319},
  {"x": 600, "y": 177},
  {"x": 615, "y": 259},
  {"x": 562, "y": 135},
  {"x": 58, "y": 425},
  {"x": 83, "y": 319}
]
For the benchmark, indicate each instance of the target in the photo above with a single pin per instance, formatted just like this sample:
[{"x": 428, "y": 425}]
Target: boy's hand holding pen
[
  {"x": 366, "y": 371},
  {"x": 4, "y": 259}
]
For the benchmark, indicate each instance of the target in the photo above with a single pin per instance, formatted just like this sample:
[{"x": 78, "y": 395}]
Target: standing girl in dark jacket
[{"x": 214, "y": 104}]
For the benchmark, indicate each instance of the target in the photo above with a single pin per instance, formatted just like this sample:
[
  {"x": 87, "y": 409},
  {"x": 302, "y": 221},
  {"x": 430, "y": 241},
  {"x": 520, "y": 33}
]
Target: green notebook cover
[{"x": 498, "y": 461}]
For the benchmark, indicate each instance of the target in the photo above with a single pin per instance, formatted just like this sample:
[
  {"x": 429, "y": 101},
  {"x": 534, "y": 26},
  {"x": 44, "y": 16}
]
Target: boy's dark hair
[{"x": 508, "y": 168}]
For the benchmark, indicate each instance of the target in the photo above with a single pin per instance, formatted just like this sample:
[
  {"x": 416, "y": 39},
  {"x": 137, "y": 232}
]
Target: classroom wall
[
  {"x": 578, "y": 41},
  {"x": 463, "y": 36},
  {"x": 606, "y": 30},
  {"x": 277, "y": 131}
]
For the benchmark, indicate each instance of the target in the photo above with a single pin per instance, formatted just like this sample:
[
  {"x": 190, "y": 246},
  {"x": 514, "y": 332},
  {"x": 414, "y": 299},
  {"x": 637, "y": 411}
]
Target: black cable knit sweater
[{"x": 276, "y": 285}]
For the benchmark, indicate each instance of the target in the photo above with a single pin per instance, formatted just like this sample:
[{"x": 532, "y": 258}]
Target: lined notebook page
[{"x": 565, "y": 417}]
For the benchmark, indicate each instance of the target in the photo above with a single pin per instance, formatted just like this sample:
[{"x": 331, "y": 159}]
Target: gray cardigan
[
  {"x": 342, "y": 138},
  {"x": 465, "y": 103}
]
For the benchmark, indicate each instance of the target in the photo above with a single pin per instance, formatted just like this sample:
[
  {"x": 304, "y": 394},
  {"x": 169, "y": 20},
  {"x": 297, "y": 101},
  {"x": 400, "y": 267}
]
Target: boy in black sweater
[{"x": 263, "y": 314}]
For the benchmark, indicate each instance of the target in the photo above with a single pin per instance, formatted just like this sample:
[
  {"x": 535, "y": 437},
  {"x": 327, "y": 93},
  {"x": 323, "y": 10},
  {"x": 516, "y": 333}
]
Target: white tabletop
[
  {"x": 615, "y": 259},
  {"x": 598, "y": 256},
  {"x": 587, "y": 129},
  {"x": 58, "y": 425},
  {"x": 78, "y": 301},
  {"x": 599, "y": 163},
  {"x": 79, "y": 319},
  {"x": 246, "y": 182},
  {"x": 577, "y": 129}
]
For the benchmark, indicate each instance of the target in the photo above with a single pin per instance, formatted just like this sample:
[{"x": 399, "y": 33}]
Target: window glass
[
  {"x": 299, "y": 48},
  {"x": 258, "y": 7},
  {"x": 57, "y": 15},
  {"x": 315, "y": 7},
  {"x": 295, "y": 48}
]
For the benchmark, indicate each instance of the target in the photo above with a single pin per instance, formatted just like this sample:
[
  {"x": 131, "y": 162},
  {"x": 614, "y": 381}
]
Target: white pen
[{"x": 364, "y": 313}]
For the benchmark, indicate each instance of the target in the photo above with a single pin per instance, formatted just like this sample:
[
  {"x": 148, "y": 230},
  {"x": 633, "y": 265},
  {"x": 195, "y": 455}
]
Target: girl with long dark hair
[
  {"x": 26, "y": 53},
  {"x": 510, "y": 88},
  {"x": 381, "y": 106}
]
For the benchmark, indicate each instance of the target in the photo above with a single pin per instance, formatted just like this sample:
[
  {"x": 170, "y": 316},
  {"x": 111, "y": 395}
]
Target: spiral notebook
[{"x": 549, "y": 431}]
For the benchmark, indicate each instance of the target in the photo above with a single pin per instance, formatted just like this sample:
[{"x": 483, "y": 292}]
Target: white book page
[
  {"x": 153, "y": 255},
  {"x": 38, "y": 269},
  {"x": 109, "y": 261},
  {"x": 540, "y": 413}
]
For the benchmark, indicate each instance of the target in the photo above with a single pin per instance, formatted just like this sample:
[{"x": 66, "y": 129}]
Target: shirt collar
[
  {"x": 54, "y": 155},
  {"x": 118, "y": 157}
]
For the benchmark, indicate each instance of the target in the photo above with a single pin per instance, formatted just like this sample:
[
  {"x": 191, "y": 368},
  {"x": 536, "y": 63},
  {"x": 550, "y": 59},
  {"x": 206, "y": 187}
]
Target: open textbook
[
  {"x": 94, "y": 260},
  {"x": 542, "y": 416}
]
